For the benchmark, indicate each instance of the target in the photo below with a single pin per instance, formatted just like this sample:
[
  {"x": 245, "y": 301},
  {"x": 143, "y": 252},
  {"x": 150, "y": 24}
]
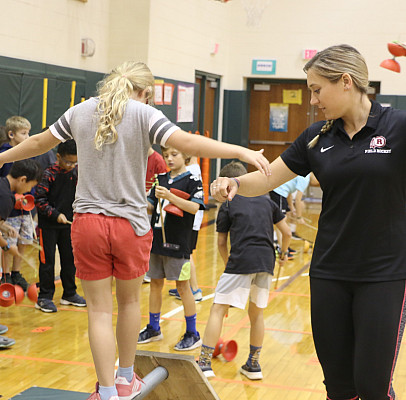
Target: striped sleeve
[
  {"x": 61, "y": 128},
  {"x": 160, "y": 128}
]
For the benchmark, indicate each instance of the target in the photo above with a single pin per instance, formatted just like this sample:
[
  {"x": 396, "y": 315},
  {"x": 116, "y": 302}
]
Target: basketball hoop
[{"x": 254, "y": 9}]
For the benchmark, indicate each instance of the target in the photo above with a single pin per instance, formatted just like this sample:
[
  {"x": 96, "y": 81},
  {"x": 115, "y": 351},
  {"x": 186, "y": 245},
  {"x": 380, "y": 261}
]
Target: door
[
  {"x": 300, "y": 113},
  {"x": 265, "y": 95}
]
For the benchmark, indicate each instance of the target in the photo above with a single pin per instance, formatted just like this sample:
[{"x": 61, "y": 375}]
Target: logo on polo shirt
[
  {"x": 323, "y": 149},
  {"x": 376, "y": 145}
]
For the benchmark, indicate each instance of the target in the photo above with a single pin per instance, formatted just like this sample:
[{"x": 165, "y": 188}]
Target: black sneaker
[
  {"x": 46, "y": 305},
  {"x": 6, "y": 342},
  {"x": 18, "y": 279},
  {"x": 6, "y": 278},
  {"x": 189, "y": 341},
  {"x": 251, "y": 372},
  {"x": 291, "y": 250},
  {"x": 149, "y": 334},
  {"x": 75, "y": 300}
]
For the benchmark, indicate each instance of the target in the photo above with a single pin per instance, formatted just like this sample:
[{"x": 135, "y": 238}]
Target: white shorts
[{"x": 235, "y": 289}]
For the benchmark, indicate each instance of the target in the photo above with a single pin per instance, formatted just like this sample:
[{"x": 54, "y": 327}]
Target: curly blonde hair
[
  {"x": 114, "y": 91},
  {"x": 331, "y": 63}
]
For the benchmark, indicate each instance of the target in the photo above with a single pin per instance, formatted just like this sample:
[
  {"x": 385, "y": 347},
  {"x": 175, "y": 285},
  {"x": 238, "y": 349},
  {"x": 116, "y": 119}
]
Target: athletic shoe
[
  {"x": 146, "y": 279},
  {"x": 189, "y": 341},
  {"x": 291, "y": 250},
  {"x": 18, "y": 279},
  {"x": 3, "y": 329},
  {"x": 75, "y": 300},
  {"x": 207, "y": 371},
  {"x": 95, "y": 395},
  {"x": 6, "y": 278},
  {"x": 197, "y": 294},
  {"x": 149, "y": 334},
  {"x": 128, "y": 390},
  {"x": 174, "y": 292},
  {"x": 251, "y": 372},
  {"x": 6, "y": 342},
  {"x": 46, "y": 305}
]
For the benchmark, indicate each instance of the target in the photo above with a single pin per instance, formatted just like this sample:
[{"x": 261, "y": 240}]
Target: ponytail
[
  {"x": 115, "y": 91},
  {"x": 325, "y": 128}
]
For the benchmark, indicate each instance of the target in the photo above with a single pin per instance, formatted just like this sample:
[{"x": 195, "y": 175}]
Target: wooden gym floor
[{"x": 52, "y": 350}]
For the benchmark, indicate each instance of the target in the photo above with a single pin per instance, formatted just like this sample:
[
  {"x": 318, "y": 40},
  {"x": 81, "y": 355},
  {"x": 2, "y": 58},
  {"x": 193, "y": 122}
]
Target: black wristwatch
[{"x": 6, "y": 247}]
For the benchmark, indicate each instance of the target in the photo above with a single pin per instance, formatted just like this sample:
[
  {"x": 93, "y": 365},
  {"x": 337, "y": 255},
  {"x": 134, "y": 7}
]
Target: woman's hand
[
  {"x": 223, "y": 189},
  {"x": 256, "y": 159}
]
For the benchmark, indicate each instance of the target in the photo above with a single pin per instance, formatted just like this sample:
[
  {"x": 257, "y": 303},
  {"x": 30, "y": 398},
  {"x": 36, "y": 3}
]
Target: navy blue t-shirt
[
  {"x": 7, "y": 199},
  {"x": 250, "y": 223},
  {"x": 362, "y": 225},
  {"x": 178, "y": 230}
]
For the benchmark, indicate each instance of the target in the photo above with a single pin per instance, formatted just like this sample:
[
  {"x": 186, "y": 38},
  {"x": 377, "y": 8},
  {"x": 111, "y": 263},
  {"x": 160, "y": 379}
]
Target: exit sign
[{"x": 307, "y": 54}]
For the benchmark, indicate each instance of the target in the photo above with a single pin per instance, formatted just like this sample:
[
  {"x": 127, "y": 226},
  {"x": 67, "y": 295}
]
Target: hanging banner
[
  {"x": 278, "y": 117},
  {"x": 292, "y": 96}
]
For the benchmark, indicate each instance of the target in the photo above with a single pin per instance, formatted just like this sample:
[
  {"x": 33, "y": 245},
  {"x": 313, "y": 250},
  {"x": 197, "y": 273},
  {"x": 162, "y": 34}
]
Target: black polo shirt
[{"x": 362, "y": 225}]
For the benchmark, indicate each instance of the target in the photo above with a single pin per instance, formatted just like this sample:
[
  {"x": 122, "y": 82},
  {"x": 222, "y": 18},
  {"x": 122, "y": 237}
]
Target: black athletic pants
[
  {"x": 357, "y": 331},
  {"x": 49, "y": 239}
]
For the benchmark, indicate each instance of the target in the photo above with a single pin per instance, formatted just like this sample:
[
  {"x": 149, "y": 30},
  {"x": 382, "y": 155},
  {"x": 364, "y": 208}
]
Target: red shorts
[{"x": 108, "y": 246}]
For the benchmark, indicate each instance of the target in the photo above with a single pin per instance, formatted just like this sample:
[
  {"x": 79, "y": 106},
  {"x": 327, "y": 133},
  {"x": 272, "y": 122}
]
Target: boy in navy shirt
[
  {"x": 22, "y": 177},
  {"x": 170, "y": 257},
  {"x": 249, "y": 268}
]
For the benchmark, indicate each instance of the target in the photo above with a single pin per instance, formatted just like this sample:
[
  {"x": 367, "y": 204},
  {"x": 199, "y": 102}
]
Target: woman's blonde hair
[
  {"x": 114, "y": 91},
  {"x": 332, "y": 63}
]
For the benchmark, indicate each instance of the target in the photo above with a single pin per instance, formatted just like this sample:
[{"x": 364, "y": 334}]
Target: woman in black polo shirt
[{"x": 358, "y": 270}]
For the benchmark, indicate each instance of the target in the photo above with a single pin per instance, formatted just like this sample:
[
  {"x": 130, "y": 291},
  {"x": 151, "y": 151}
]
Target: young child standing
[
  {"x": 249, "y": 268},
  {"x": 22, "y": 177},
  {"x": 155, "y": 165},
  {"x": 54, "y": 197},
  {"x": 170, "y": 260},
  {"x": 17, "y": 130},
  {"x": 194, "y": 168}
]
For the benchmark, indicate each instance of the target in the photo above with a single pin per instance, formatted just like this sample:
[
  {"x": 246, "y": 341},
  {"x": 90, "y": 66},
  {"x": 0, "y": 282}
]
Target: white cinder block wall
[{"x": 176, "y": 37}]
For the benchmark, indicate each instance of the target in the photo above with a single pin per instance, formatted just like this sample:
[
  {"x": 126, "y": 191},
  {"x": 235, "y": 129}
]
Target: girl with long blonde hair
[{"x": 111, "y": 234}]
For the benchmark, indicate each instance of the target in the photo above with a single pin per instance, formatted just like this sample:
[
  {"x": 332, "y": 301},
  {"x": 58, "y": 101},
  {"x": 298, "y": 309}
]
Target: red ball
[{"x": 32, "y": 293}]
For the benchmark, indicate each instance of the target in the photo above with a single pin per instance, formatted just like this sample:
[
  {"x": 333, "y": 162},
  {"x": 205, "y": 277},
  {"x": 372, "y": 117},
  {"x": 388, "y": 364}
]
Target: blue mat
[{"x": 39, "y": 393}]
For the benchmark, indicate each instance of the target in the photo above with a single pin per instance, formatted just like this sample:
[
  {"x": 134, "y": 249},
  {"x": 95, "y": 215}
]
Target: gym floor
[{"x": 52, "y": 350}]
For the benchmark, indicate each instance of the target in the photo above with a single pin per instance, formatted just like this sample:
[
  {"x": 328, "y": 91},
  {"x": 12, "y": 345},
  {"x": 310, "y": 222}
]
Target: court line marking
[{"x": 49, "y": 360}]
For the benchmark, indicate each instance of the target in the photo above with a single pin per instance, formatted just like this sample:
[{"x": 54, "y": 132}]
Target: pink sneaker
[
  {"x": 96, "y": 396},
  {"x": 127, "y": 391}
]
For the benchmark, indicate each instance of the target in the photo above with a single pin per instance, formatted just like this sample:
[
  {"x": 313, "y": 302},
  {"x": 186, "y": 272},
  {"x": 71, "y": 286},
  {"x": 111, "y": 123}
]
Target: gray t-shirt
[{"x": 112, "y": 181}]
